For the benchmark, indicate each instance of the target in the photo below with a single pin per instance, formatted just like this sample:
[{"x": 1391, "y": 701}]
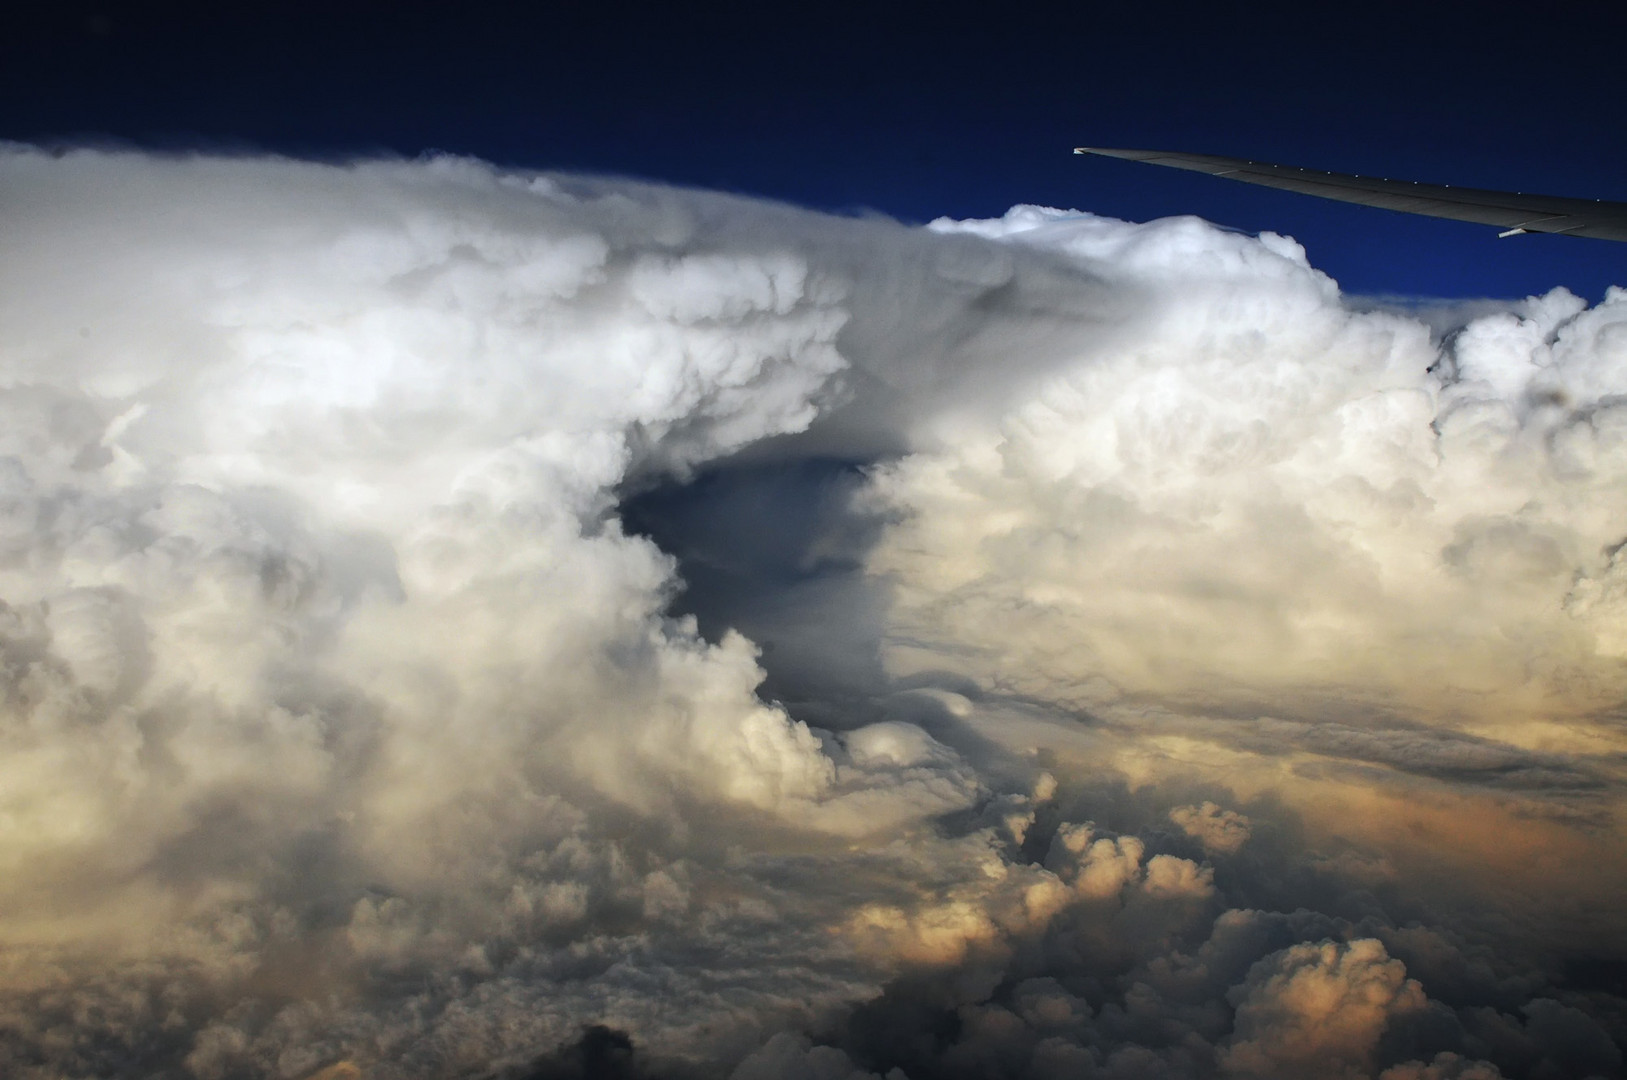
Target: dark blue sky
[{"x": 913, "y": 110}]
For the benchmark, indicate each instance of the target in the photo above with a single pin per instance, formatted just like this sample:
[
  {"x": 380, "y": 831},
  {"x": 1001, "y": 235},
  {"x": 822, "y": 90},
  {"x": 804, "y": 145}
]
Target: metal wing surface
[{"x": 1510, "y": 211}]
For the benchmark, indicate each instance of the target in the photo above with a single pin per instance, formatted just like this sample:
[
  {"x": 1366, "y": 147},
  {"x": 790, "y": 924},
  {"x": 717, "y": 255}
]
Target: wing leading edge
[{"x": 1513, "y": 213}]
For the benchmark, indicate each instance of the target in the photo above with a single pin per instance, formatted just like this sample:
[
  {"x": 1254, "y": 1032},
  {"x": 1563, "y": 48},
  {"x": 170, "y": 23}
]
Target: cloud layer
[{"x": 1186, "y": 671}]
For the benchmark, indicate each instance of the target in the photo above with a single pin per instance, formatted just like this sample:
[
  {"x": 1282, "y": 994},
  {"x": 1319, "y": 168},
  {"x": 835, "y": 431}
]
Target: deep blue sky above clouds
[{"x": 912, "y": 110}]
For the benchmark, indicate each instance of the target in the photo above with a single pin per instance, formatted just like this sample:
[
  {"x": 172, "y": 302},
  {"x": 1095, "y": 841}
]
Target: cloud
[
  {"x": 1270, "y": 498},
  {"x": 1219, "y": 831},
  {"x": 1445, "y": 1066},
  {"x": 329, "y": 660},
  {"x": 1317, "y": 1008},
  {"x": 1261, "y": 539},
  {"x": 460, "y": 622},
  {"x": 789, "y": 1057}
]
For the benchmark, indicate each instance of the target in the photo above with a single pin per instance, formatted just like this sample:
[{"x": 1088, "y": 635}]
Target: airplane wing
[{"x": 1512, "y": 212}]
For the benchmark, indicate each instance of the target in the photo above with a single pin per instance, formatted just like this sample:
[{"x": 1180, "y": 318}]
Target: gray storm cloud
[{"x": 1188, "y": 672}]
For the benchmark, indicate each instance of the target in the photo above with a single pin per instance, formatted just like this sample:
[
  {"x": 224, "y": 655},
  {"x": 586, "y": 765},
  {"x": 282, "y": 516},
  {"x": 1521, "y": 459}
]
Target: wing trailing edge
[{"x": 1510, "y": 211}]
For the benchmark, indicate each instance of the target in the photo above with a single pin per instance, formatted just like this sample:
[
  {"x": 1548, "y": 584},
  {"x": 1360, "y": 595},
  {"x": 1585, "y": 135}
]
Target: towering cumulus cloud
[{"x": 1186, "y": 671}]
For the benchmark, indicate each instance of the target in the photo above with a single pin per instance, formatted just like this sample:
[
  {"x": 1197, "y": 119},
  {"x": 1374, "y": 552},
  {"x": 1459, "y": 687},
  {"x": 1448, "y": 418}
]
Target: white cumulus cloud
[{"x": 1168, "y": 661}]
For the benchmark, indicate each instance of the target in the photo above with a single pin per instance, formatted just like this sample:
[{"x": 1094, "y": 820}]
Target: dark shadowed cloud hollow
[{"x": 459, "y": 623}]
